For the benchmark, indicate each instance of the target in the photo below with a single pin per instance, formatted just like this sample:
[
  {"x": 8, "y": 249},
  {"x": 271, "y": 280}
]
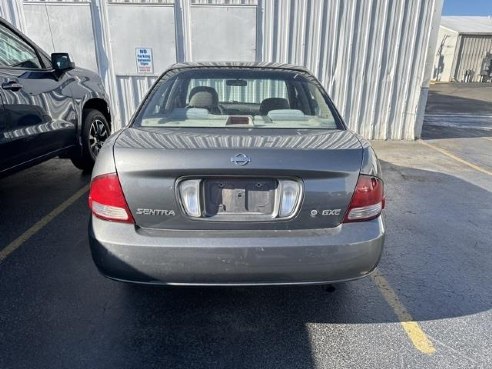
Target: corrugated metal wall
[
  {"x": 370, "y": 55},
  {"x": 131, "y": 90},
  {"x": 12, "y": 11},
  {"x": 472, "y": 49},
  {"x": 374, "y": 56}
]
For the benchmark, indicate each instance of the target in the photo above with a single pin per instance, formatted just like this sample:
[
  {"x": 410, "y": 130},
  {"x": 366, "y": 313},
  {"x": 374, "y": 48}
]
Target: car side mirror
[{"x": 62, "y": 62}]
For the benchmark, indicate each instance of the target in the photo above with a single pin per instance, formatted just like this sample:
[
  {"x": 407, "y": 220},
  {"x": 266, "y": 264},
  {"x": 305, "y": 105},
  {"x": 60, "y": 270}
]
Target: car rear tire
[{"x": 95, "y": 130}]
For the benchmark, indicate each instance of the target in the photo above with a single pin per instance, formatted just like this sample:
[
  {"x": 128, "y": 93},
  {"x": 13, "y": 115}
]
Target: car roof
[{"x": 252, "y": 65}]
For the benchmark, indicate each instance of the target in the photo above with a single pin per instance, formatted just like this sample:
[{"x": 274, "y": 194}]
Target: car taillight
[
  {"x": 106, "y": 199},
  {"x": 367, "y": 200}
]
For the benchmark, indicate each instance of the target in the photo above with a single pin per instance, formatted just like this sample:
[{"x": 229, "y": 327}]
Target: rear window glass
[{"x": 250, "y": 98}]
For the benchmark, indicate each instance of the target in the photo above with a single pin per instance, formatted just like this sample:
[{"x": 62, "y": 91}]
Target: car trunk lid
[{"x": 242, "y": 176}]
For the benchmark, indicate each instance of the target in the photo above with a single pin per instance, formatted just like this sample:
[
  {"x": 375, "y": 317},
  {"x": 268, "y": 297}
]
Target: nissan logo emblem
[{"x": 240, "y": 159}]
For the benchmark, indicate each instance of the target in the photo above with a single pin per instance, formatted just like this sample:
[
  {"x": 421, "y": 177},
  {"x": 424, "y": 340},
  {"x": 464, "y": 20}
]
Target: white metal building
[
  {"x": 464, "y": 49},
  {"x": 374, "y": 56}
]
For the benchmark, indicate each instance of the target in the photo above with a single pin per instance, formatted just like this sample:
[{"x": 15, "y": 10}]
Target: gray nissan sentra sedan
[{"x": 236, "y": 174}]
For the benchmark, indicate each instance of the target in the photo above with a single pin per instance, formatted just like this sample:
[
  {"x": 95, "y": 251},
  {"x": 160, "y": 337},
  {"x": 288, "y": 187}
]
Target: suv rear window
[{"x": 252, "y": 98}]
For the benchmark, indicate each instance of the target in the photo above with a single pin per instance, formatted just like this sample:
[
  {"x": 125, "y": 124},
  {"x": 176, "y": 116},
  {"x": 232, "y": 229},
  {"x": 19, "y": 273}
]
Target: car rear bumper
[{"x": 124, "y": 252}]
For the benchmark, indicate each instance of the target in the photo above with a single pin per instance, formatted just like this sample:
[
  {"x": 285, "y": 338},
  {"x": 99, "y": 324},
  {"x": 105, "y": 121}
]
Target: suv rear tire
[{"x": 95, "y": 130}]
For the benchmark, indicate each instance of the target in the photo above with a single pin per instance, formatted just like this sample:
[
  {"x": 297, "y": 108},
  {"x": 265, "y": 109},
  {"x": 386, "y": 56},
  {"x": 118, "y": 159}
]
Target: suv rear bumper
[{"x": 126, "y": 253}]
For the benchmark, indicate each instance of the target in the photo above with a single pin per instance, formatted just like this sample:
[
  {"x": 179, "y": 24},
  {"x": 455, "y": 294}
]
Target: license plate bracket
[{"x": 239, "y": 196}]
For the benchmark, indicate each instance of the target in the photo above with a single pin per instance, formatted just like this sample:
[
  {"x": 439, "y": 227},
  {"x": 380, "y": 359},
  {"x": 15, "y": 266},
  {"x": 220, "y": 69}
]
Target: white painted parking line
[{"x": 14, "y": 245}]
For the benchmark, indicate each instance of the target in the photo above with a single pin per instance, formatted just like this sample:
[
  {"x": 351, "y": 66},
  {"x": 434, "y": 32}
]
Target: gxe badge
[{"x": 240, "y": 159}]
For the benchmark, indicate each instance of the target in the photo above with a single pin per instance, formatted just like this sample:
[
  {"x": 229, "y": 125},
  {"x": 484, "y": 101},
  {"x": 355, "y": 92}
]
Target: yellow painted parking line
[
  {"x": 15, "y": 244},
  {"x": 457, "y": 158},
  {"x": 410, "y": 326}
]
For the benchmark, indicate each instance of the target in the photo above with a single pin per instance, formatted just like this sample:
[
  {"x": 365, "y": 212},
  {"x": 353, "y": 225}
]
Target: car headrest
[
  {"x": 203, "y": 97},
  {"x": 273, "y": 103}
]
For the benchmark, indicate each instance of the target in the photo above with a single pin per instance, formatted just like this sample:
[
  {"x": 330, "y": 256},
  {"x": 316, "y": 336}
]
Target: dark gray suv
[{"x": 48, "y": 107}]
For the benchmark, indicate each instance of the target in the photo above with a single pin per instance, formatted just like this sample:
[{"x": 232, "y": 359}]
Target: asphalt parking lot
[{"x": 427, "y": 306}]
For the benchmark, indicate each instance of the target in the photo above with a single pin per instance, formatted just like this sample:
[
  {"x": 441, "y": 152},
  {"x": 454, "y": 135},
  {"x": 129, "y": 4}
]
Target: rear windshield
[{"x": 247, "y": 98}]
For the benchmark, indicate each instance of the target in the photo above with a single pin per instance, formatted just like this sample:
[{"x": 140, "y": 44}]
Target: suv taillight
[
  {"x": 106, "y": 199},
  {"x": 367, "y": 201}
]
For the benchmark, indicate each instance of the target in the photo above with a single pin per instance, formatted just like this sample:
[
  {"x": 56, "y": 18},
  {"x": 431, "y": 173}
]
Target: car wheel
[{"x": 95, "y": 130}]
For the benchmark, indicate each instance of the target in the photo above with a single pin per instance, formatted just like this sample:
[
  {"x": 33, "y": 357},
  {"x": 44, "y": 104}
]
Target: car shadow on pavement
[
  {"x": 438, "y": 242},
  {"x": 57, "y": 311},
  {"x": 436, "y": 259},
  {"x": 28, "y": 195}
]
